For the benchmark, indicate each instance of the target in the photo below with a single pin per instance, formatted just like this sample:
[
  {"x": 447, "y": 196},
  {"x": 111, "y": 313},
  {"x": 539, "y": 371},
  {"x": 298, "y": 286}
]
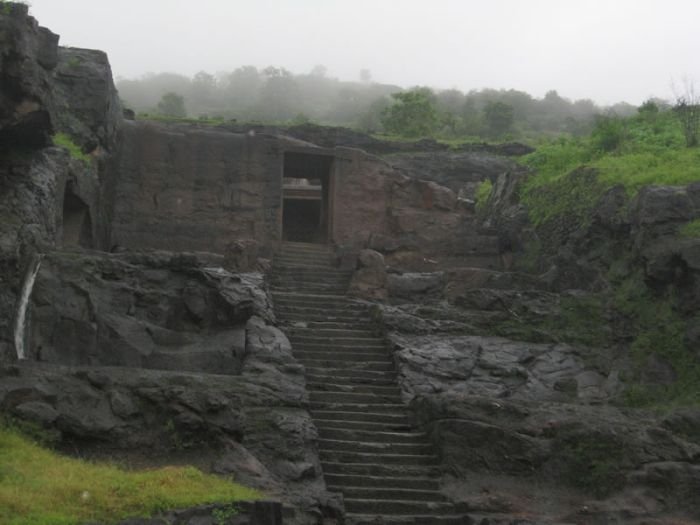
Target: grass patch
[
  {"x": 483, "y": 193},
  {"x": 632, "y": 152},
  {"x": 64, "y": 140},
  {"x": 658, "y": 330},
  {"x": 691, "y": 229},
  {"x": 40, "y": 487},
  {"x": 581, "y": 321},
  {"x": 207, "y": 121}
]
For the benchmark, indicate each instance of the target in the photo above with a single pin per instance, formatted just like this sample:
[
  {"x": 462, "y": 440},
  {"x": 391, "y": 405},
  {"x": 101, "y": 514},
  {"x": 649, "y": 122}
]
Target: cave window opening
[
  {"x": 77, "y": 223},
  {"x": 306, "y": 209}
]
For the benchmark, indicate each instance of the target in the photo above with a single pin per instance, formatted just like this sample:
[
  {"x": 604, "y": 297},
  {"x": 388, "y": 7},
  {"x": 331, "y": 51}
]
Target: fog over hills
[{"x": 609, "y": 52}]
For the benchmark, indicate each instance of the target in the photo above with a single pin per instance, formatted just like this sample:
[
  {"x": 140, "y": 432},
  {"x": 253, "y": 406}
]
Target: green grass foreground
[{"x": 40, "y": 487}]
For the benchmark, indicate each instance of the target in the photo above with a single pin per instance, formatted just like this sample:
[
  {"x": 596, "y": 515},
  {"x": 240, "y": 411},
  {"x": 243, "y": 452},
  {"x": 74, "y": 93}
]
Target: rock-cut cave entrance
[
  {"x": 306, "y": 191},
  {"x": 77, "y": 224}
]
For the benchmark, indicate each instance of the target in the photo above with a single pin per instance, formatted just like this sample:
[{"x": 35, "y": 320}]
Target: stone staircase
[{"x": 385, "y": 470}]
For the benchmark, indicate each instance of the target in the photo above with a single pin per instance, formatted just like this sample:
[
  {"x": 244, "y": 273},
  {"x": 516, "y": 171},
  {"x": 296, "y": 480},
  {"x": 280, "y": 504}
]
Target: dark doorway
[
  {"x": 77, "y": 225},
  {"x": 306, "y": 205}
]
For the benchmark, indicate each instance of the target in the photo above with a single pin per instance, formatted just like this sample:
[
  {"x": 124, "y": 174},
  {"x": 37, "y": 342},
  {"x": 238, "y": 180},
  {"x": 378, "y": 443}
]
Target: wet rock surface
[
  {"x": 151, "y": 310},
  {"x": 153, "y": 356},
  {"x": 516, "y": 369}
]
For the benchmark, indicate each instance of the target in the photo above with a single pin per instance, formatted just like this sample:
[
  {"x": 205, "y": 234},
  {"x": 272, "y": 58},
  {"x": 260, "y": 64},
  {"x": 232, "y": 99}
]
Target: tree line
[{"x": 275, "y": 95}]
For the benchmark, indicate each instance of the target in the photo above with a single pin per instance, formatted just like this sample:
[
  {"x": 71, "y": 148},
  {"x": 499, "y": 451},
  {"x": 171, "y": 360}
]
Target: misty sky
[{"x": 607, "y": 50}]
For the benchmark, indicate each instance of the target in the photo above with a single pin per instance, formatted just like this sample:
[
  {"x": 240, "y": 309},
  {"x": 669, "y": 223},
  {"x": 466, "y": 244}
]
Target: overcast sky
[{"x": 607, "y": 50}]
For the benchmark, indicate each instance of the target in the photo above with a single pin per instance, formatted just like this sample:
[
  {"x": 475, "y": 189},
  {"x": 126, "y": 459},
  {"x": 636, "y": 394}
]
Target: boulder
[{"x": 370, "y": 278}]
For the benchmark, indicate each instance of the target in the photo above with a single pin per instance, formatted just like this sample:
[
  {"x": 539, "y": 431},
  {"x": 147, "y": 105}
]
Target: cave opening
[
  {"x": 77, "y": 223},
  {"x": 306, "y": 190}
]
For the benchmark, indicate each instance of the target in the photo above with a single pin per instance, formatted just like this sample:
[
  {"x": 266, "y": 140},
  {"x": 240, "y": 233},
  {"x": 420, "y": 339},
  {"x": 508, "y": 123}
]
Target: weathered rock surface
[
  {"x": 370, "y": 279},
  {"x": 603, "y": 451},
  {"x": 152, "y": 310},
  {"x": 460, "y": 171},
  {"x": 500, "y": 368},
  {"x": 151, "y": 356},
  {"x": 83, "y": 83},
  {"x": 28, "y": 54}
]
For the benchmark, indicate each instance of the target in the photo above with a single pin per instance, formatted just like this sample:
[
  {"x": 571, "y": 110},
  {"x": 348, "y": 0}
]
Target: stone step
[
  {"x": 379, "y": 354},
  {"x": 290, "y": 260},
  {"x": 349, "y": 310},
  {"x": 294, "y": 283},
  {"x": 369, "y": 426},
  {"x": 388, "y": 493},
  {"x": 297, "y": 299},
  {"x": 352, "y": 397},
  {"x": 294, "y": 316},
  {"x": 333, "y": 342},
  {"x": 332, "y": 385},
  {"x": 363, "y": 480},
  {"x": 380, "y": 470},
  {"x": 328, "y": 314},
  {"x": 388, "y": 379},
  {"x": 352, "y": 518},
  {"x": 330, "y": 364},
  {"x": 374, "y": 436},
  {"x": 310, "y": 250},
  {"x": 341, "y": 456},
  {"x": 383, "y": 507},
  {"x": 311, "y": 288},
  {"x": 321, "y": 415},
  {"x": 308, "y": 277},
  {"x": 337, "y": 348},
  {"x": 332, "y": 325},
  {"x": 278, "y": 268},
  {"x": 305, "y": 245},
  {"x": 361, "y": 447},
  {"x": 350, "y": 374},
  {"x": 332, "y": 333}
]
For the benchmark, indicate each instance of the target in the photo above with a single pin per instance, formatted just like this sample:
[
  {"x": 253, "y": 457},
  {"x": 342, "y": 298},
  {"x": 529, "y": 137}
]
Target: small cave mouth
[{"x": 77, "y": 223}]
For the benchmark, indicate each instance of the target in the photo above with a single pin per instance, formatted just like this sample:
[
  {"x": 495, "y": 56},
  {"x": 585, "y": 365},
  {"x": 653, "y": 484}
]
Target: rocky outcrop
[
  {"x": 50, "y": 199},
  {"x": 332, "y": 137},
  {"x": 156, "y": 310},
  {"x": 28, "y": 54},
  {"x": 83, "y": 84},
  {"x": 501, "y": 368},
  {"x": 611, "y": 456},
  {"x": 370, "y": 279},
  {"x": 460, "y": 171},
  {"x": 152, "y": 356}
]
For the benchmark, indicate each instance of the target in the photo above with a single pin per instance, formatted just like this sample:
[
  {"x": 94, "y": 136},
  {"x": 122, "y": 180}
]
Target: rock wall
[
  {"x": 46, "y": 89},
  {"x": 409, "y": 220},
  {"x": 196, "y": 188}
]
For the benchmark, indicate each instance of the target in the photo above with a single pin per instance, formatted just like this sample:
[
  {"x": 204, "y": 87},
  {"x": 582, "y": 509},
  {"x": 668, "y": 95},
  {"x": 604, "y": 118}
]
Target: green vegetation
[
  {"x": 648, "y": 148},
  {"x": 499, "y": 118},
  {"x": 411, "y": 115},
  {"x": 659, "y": 332},
  {"x": 483, "y": 193},
  {"x": 172, "y": 105},
  {"x": 581, "y": 321},
  {"x": 65, "y": 141},
  {"x": 692, "y": 229},
  {"x": 40, "y": 487},
  {"x": 593, "y": 463}
]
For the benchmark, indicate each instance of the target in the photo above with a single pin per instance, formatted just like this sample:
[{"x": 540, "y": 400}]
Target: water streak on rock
[{"x": 21, "y": 318}]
